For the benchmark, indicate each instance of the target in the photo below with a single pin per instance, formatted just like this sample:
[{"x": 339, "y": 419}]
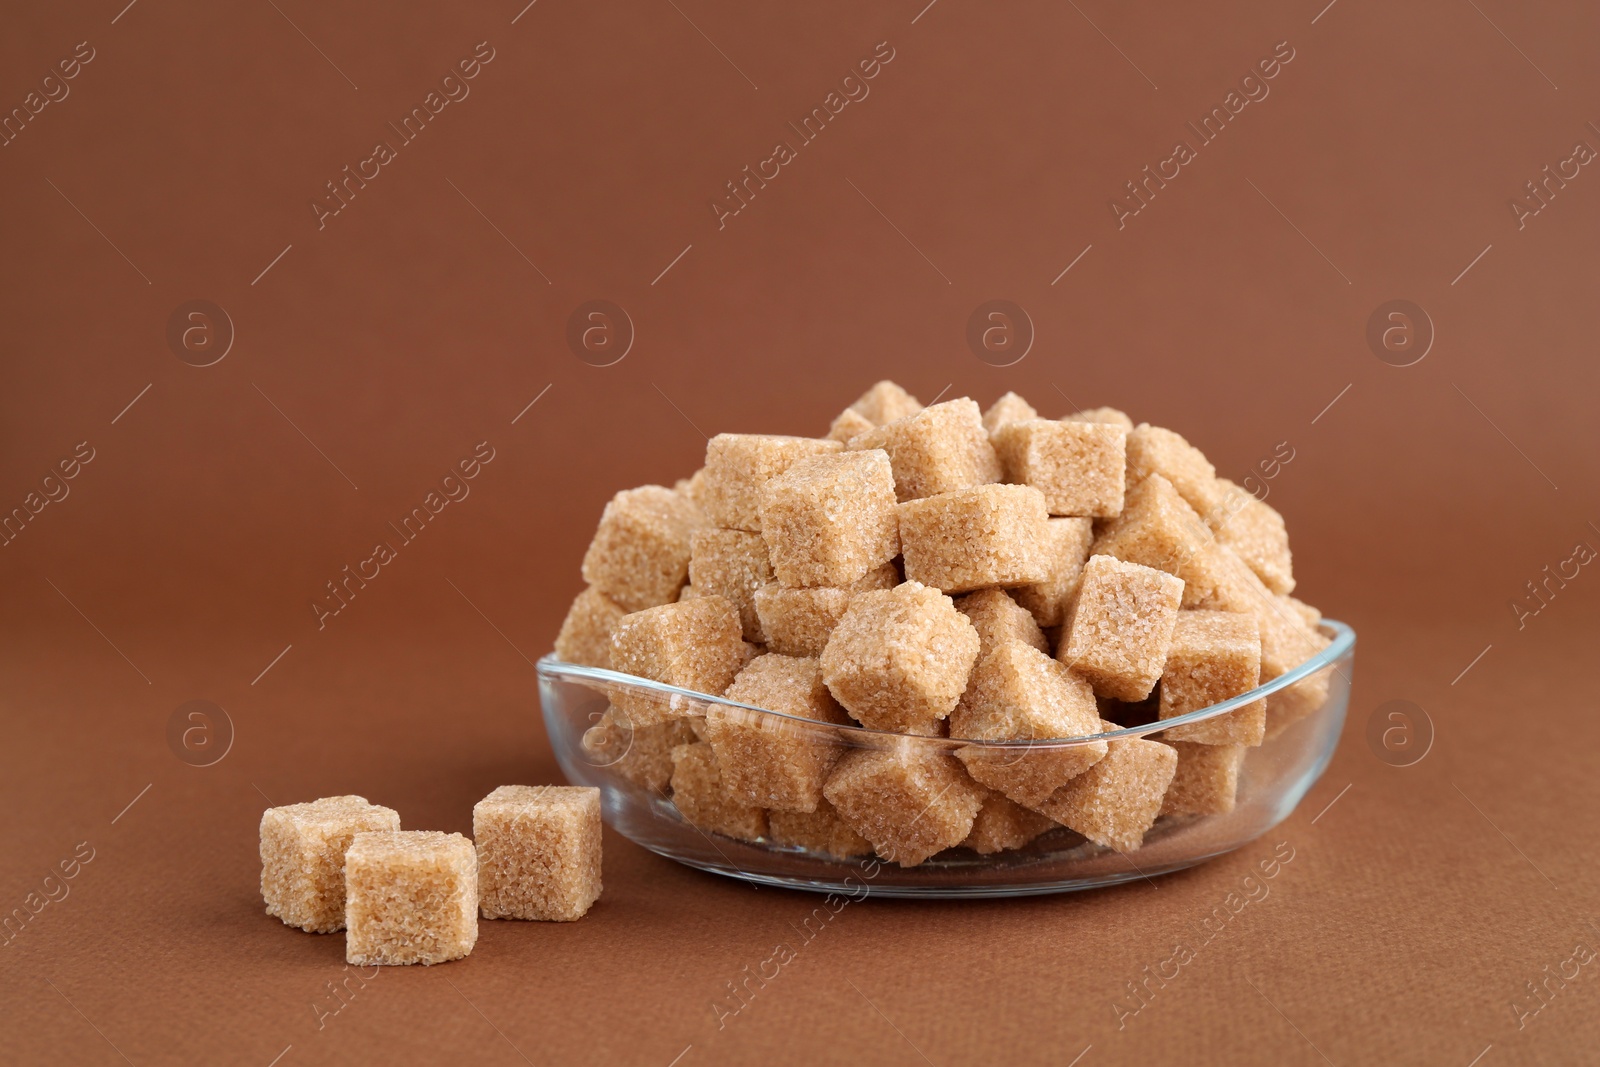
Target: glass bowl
[{"x": 630, "y": 765}]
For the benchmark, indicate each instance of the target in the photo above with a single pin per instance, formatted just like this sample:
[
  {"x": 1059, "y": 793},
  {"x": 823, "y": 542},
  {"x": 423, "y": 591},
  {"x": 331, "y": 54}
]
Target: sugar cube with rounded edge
[
  {"x": 1119, "y": 628},
  {"x": 989, "y": 535},
  {"x": 302, "y": 857},
  {"x": 538, "y": 852},
  {"x": 830, "y": 520},
  {"x": 411, "y": 896},
  {"x": 899, "y": 658}
]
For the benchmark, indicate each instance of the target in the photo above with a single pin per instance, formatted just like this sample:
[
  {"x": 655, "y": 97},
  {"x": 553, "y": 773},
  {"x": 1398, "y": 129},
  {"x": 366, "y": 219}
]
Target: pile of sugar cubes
[
  {"x": 942, "y": 571},
  {"x": 414, "y": 896}
]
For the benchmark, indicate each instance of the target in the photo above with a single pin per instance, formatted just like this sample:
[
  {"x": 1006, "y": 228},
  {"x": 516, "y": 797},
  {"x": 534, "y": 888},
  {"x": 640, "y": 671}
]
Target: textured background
[{"x": 370, "y": 354}]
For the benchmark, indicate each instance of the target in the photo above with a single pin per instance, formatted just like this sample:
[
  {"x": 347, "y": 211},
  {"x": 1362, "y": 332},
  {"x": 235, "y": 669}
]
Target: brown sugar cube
[
  {"x": 1078, "y": 466},
  {"x": 302, "y": 857},
  {"x": 1120, "y": 627},
  {"x": 1068, "y": 544},
  {"x": 817, "y": 831},
  {"x": 1117, "y": 800},
  {"x": 585, "y": 636},
  {"x": 1003, "y": 824},
  {"x": 886, "y": 402},
  {"x": 705, "y": 802},
  {"x": 739, "y": 466},
  {"x": 849, "y": 423},
  {"x": 766, "y": 760},
  {"x": 999, "y": 619},
  {"x": 797, "y": 622},
  {"x": 1286, "y": 641},
  {"x": 687, "y": 593},
  {"x": 830, "y": 520},
  {"x": 938, "y": 450},
  {"x": 1159, "y": 529},
  {"x": 1308, "y": 614},
  {"x": 1018, "y": 693},
  {"x": 909, "y": 800},
  {"x": 1153, "y": 450},
  {"x": 640, "y": 553},
  {"x": 1106, "y": 415},
  {"x": 1206, "y": 781},
  {"x": 1291, "y": 704},
  {"x": 731, "y": 564},
  {"x": 899, "y": 658},
  {"x": 538, "y": 852},
  {"x": 971, "y": 538},
  {"x": 1009, "y": 408},
  {"x": 640, "y": 754},
  {"x": 1256, "y": 533},
  {"x": 693, "y": 644},
  {"x": 693, "y": 490},
  {"x": 411, "y": 896},
  {"x": 1215, "y": 656}
]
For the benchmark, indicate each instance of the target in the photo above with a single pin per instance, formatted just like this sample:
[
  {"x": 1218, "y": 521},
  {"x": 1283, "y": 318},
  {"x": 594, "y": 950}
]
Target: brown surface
[{"x": 407, "y": 330}]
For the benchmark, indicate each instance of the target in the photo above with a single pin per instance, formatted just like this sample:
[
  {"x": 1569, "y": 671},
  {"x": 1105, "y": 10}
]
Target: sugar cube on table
[
  {"x": 538, "y": 852},
  {"x": 302, "y": 857},
  {"x": 1256, "y": 533},
  {"x": 939, "y": 449},
  {"x": 731, "y": 564},
  {"x": 899, "y": 658},
  {"x": 1009, "y": 408},
  {"x": 1115, "y": 802},
  {"x": 739, "y": 466},
  {"x": 797, "y": 622},
  {"x": 767, "y": 760},
  {"x": 693, "y": 644},
  {"x": 1206, "y": 781},
  {"x": 885, "y": 402},
  {"x": 1119, "y": 629},
  {"x": 640, "y": 554},
  {"x": 585, "y": 636},
  {"x": 1215, "y": 656},
  {"x": 1078, "y": 466},
  {"x": 1107, "y": 415},
  {"x": 989, "y": 535},
  {"x": 1003, "y": 824},
  {"x": 818, "y": 831},
  {"x": 998, "y": 619},
  {"x": 1067, "y": 549},
  {"x": 704, "y": 800},
  {"x": 639, "y": 754},
  {"x": 411, "y": 896},
  {"x": 1159, "y": 529},
  {"x": 1018, "y": 693},
  {"x": 830, "y": 520},
  {"x": 907, "y": 799},
  {"x": 1154, "y": 450}
]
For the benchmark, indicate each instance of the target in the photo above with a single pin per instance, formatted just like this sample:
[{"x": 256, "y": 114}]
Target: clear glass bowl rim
[{"x": 1343, "y": 642}]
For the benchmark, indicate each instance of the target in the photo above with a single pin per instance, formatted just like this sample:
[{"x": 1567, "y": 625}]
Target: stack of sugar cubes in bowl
[{"x": 937, "y": 635}]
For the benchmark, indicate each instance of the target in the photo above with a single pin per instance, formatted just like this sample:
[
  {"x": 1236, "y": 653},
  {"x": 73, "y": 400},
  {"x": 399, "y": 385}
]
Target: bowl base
[{"x": 861, "y": 888}]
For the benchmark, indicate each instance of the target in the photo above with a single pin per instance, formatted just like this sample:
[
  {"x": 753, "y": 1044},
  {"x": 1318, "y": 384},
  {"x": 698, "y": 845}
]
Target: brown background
[{"x": 380, "y": 349}]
